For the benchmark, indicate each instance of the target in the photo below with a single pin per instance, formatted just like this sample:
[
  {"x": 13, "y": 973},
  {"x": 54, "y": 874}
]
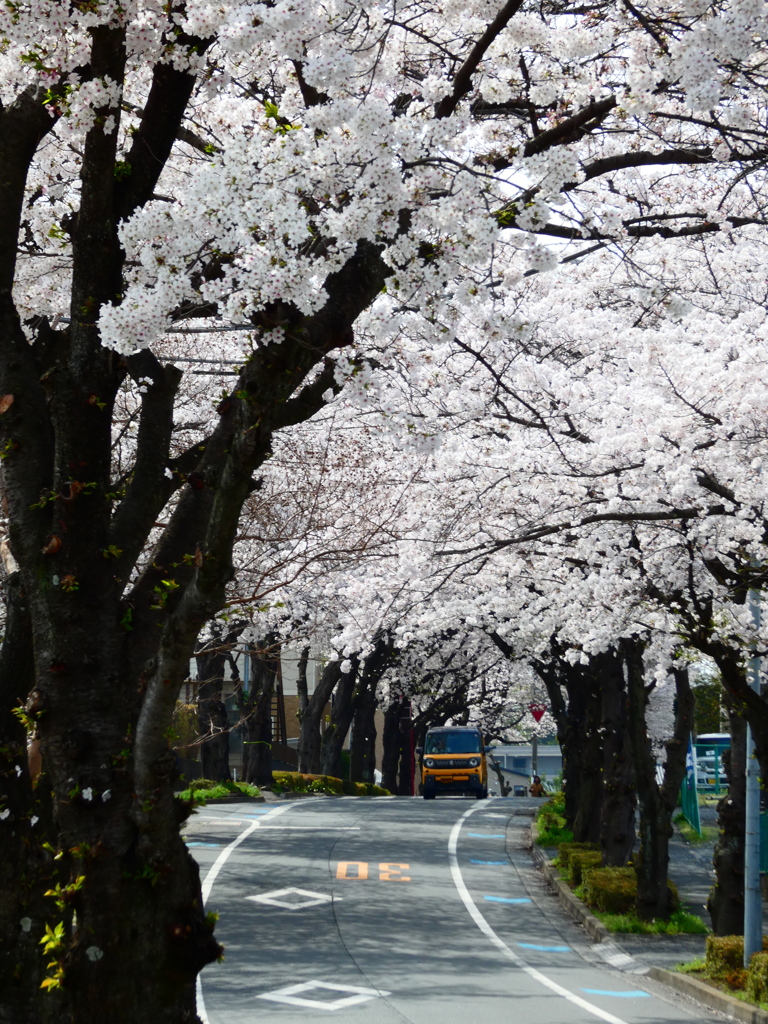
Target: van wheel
[
  {"x": 481, "y": 794},
  {"x": 428, "y": 792}
]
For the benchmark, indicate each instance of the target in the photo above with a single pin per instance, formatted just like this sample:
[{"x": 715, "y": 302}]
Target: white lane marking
[
  {"x": 291, "y": 994},
  {"x": 315, "y": 828},
  {"x": 307, "y": 898},
  {"x": 210, "y": 878},
  {"x": 489, "y": 933}
]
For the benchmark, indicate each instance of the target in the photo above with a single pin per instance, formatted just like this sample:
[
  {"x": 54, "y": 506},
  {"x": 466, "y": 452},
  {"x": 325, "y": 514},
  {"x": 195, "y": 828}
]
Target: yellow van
[{"x": 453, "y": 761}]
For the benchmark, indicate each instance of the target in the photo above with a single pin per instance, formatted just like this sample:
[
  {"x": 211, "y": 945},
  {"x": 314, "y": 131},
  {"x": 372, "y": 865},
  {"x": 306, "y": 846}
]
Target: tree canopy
[{"x": 516, "y": 241}]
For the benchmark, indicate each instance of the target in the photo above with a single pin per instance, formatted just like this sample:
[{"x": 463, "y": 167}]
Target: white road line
[
  {"x": 489, "y": 933},
  {"x": 210, "y": 878},
  {"x": 314, "y": 828}
]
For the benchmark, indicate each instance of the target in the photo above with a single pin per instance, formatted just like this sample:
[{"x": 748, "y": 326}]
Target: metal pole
[
  {"x": 753, "y": 903},
  {"x": 535, "y": 755}
]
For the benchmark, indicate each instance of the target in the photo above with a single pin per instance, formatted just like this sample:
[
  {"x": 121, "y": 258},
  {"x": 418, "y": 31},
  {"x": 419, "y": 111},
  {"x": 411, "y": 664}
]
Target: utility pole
[{"x": 753, "y": 903}]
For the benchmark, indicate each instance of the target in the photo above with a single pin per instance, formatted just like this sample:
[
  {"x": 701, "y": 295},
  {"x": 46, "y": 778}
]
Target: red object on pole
[{"x": 538, "y": 711}]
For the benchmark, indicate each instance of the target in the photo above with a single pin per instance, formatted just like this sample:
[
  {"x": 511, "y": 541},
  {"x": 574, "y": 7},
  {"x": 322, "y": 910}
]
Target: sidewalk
[{"x": 690, "y": 868}]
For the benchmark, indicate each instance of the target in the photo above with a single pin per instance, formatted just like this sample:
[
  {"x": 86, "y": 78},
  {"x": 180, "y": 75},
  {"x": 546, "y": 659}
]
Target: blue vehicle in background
[{"x": 709, "y": 767}]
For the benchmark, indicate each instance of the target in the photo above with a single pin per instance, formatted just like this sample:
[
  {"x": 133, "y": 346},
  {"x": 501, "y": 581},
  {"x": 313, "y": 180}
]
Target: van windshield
[{"x": 452, "y": 743}]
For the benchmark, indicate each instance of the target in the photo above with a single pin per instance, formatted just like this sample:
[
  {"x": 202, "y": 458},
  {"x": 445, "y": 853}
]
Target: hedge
[
  {"x": 580, "y": 861},
  {"x": 565, "y": 850},
  {"x": 614, "y": 890},
  {"x": 725, "y": 953},
  {"x": 296, "y": 782},
  {"x": 757, "y": 977}
]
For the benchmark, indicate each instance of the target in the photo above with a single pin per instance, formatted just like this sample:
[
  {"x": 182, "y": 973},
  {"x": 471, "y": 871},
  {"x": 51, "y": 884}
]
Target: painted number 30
[{"x": 358, "y": 869}]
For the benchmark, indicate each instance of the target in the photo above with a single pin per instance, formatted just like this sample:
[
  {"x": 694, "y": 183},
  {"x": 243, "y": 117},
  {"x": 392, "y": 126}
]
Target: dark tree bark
[
  {"x": 112, "y": 648},
  {"x": 726, "y": 901},
  {"x": 656, "y": 802},
  {"x": 392, "y": 743},
  {"x": 617, "y": 819},
  {"x": 310, "y": 715},
  {"x": 362, "y": 751},
  {"x": 256, "y": 711},
  {"x": 342, "y": 712},
  {"x": 584, "y": 735},
  {"x": 212, "y": 658},
  {"x": 570, "y": 712},
  {"x": 363, "y": 742},
  {"x": 29, "y": 869}
]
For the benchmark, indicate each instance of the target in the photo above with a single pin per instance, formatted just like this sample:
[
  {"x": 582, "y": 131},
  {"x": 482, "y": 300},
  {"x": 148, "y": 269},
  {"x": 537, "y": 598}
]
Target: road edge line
[
  {"x": 211, "y": 876},
  {"x": 496, "y": 940}
]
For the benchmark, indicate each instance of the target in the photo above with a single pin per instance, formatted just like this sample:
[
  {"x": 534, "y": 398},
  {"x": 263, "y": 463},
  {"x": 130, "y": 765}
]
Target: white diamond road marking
[
  {"x": 273, "y": 899},
  {"x": 291, "y": 995}
]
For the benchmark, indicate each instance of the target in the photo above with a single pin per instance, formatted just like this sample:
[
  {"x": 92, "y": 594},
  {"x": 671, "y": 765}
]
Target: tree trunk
[
  {"x": 571, "y": 716},
  {"x": 617, "y": 819},
  {"x": 212, "y": 719},
  {"x": 585, "y": 734},
  {"x": 392, "y": 742},
  {"x": 656, "y": 802},
  {"x": 256, "y": 711},
  {"x": 362, "y": 754},
  {"x": 29, "y": 869},
  {"x": 342, "y": 711},
  {"x": 726, "y": 901},
  {"x": 310, "y": 715},
  {"x": 213, "y": 722}
]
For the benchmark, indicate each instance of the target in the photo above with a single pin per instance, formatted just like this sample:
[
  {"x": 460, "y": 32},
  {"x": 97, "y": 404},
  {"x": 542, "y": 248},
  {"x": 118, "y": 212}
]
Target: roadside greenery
[
  {"x": 722, "y": 967},
  {"x": 690, "y": 835},
  {"x": 680, "y": 923},
  {"x": 200, "y": 791},
  {"x": 551, "y": 822},
  {"x": 296, "y": 782},
  {"x": 611, "y": 893}
]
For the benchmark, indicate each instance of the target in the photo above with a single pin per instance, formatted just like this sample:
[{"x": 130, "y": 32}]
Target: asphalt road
[{"x": 393, "y": 910}]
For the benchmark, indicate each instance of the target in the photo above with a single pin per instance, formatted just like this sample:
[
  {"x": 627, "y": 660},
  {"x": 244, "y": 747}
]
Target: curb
[
  {"x": 680, "y": 983},
  {"x": 243, "y": 798},
  {"x": 573, "y": 906},
  {"x": 703, "y": 993}
]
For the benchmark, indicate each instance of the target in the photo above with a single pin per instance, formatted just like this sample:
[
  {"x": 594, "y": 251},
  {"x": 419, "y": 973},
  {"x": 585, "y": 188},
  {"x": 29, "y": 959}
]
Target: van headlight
[
  {"x": 429, "y": 762},
  {"x": 474, "y": 762}
]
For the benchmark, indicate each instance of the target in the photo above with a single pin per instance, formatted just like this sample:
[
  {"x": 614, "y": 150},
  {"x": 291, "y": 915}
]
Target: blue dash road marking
[
  {"x": 507, "y": 899},
  {"x": 546, "y": 949},
  {"x": 623, "y": 995},
  {"x": 203, "y": 844},
  {"x": 485, "y": 835},
  {"x": 493, "y": 863}
]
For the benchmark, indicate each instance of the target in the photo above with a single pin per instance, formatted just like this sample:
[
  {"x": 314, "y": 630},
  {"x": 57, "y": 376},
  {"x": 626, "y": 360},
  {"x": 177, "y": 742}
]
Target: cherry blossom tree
[{"x": 315, "y": 183}]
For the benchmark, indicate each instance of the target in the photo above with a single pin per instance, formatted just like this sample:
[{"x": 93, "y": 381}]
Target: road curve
[{"x": 386, "y": 911}]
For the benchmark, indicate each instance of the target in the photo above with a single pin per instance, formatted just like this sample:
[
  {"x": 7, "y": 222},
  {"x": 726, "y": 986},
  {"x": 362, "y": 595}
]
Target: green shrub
[
  {"x": 565, "y": 850},
  {"x": 551, "y": 823},
  {"x": 296, "y": 782},
  {"x": 202, "y": 790},
  {"x": 679, "y": 923},
  {"x": 612, "y": 890},
  {"x": 725, "y": 954},
  {"x": 196, "y": 784},
  {"x": 757, "y": 978},
  {"x": 184, "y": 730},
  {"x": 556, "y": 803},
  {"x": 580, "y": 861}
]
